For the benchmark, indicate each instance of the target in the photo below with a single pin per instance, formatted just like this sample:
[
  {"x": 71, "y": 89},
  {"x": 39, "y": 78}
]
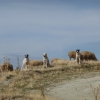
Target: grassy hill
[{"x": 34, "y": 84}]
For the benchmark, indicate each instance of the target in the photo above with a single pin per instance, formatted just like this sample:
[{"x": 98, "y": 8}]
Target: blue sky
[{"x": 52, "y": 26}]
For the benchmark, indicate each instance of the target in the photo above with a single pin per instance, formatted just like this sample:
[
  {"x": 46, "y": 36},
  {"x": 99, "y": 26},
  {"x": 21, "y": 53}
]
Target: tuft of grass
[{"x": 96, "y": 92}]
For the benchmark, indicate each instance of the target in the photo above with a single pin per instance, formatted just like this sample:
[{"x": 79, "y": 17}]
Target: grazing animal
[
  {"x": 58, "y": 61},
  {"x": 35, "y": 63},
  {"x": 54, "y": 61},
  {"x": 89, "y": 55},
  {"x": 45, "y": 60},
  {"x": 78, "y": 56},
  {"x": 72, "y": 54},
  {"x": 6, "y": 66},
  {"x": 25, "y": 63}
]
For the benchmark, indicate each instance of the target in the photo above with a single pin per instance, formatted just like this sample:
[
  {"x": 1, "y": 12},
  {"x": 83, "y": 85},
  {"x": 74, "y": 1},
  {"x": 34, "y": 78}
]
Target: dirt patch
[{"x": 77, "y": 89}]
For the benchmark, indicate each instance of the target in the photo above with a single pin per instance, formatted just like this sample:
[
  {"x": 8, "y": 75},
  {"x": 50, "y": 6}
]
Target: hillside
[{"x": 36, "y": 83}]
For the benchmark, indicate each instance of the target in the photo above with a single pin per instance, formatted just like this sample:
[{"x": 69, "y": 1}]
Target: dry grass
[
  {"x": 22, "y": 85},
  {"x": 73, "y": 64},
  {"x": 35, "y": 96},
  {"x": 5, "y": 75},
  {"x": 65, "y": 62},
  {"x": 61, "y": 62},
  {"x": 96, "y": 92},
  {"x": 25, "y": 85}
]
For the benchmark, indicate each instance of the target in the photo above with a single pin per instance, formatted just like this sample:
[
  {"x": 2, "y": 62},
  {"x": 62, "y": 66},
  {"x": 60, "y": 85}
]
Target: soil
[{"x": 77, "y": 89}]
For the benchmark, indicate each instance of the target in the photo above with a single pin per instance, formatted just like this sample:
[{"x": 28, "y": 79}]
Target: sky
[{"x": 54, "y": 27}]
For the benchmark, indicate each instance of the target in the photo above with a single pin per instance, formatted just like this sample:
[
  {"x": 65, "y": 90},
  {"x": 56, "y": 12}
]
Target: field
[{"x": 35, "y": 83}]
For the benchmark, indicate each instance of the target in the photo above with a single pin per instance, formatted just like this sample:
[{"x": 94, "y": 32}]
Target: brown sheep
[
  {"x": 54, "y": 60},
  {"x": 72, "y": 54},
  {"x": 35, "y": 63},
  {"x": 6, "y": 67},
  {"x": 89, "y": 55},
  {"x": 58, "y": 61}
]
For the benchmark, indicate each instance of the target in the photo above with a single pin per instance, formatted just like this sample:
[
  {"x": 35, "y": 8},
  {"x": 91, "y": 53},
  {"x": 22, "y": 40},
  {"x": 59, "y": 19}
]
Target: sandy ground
[{"x": 76, "y": 89}]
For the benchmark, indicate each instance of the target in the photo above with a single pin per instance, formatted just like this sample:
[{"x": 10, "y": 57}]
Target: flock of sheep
[
  {"x": 28, "y": 64},
  {"x": 85, "y": 55}
]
